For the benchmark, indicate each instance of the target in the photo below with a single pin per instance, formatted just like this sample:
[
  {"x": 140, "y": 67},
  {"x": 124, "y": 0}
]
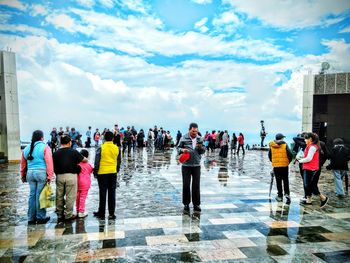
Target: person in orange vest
[{"x": 280, "y": 155}]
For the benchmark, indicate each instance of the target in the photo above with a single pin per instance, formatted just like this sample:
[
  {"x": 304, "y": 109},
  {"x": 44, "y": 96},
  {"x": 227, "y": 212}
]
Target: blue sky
[{"x": 224, "y": 64}]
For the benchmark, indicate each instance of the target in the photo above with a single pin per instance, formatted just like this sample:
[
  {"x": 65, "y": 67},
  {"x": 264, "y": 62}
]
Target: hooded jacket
[
  {"x": 279, "y": 153},
  {"x": 186, "y": 143},
  {"x": 340, "y": 155}
]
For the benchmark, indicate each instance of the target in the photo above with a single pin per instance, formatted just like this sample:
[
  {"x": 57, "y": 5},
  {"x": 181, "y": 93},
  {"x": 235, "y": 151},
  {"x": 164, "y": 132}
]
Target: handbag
[{"x": 46, "y": 198}]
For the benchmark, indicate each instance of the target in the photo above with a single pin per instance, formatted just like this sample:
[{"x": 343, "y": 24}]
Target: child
[{"x": 84, "y": 183}]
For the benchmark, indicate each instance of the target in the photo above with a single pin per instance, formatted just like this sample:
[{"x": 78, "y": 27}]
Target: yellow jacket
[
  {"x": 279, "y": 154},
  {"x": 108, "y": 160}
]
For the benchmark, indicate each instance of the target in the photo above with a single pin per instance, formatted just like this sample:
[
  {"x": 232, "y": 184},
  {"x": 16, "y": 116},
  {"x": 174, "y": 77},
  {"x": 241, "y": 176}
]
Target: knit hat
[
  {"x": 279, "y": 136},
  {"x": 184, "y": 157}
]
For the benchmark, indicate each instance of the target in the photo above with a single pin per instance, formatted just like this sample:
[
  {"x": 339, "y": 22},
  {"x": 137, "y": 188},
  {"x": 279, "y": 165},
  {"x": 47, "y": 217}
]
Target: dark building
[{"x": 330, "y": 106}]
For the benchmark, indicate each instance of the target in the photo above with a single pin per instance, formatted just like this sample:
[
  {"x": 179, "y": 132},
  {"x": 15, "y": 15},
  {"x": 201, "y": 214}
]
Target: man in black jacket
[
  {"x": 340, "y": 156},
  {"x": 193, "y": 144}
]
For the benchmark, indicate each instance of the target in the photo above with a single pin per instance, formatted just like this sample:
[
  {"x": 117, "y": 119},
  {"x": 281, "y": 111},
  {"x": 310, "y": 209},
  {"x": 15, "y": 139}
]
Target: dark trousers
[
  {"x": 189, "y": 173},
  {"x": 281, "y": 175},
  {"x": 107, "y": 183},
  {"x": 311, "y": 182},
  {"x": 240, "y": 146},
  {"x": 88, "y": 142}
]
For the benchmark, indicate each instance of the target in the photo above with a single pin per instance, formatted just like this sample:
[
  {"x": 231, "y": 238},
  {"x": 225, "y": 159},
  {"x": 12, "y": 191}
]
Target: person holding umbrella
[{"x": 280, "y": 155}]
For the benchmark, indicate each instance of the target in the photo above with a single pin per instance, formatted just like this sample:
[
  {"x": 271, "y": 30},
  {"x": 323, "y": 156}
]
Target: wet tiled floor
[{"x": 238, "y": 222}]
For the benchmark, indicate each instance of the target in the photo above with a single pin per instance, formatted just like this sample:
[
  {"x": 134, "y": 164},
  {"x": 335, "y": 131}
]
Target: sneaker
[
  {"x": 82, "y": 215},
  {"x": 323, "y": 203},
  {"x": 288, "y": 200},
  {"x": 187, "y": 208},
  {"x": 98, "y": 215},
  {"x": 43, "y": 221},
  {"x": 112, "y": 217},
  {"x": 31, "y": 222},
  {"x": 305, "y": 202},
  {"x": 279, "y": 199},
  {"x": 197, "y": 208}
]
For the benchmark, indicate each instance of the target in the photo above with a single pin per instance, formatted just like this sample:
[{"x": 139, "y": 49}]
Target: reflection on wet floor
[{"x": 238, "y": 221}]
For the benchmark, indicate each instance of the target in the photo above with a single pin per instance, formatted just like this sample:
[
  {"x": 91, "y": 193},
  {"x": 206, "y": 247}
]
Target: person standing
[
  {"x": 233, "y": 143},
  {"x": 97, "y": 136},
  {"x": 178, "y": 137},
  {"x": 36, "y": 169},
  {"x": 107, "y": 165},
  {"x": 66, "y": 162},
  {"x": 191, "y": 143},
  {"x": 84, "y": 183},
  {"x": 240, "y": 140},
  {"x": 88, "y": 138},
  {"x": 280, "y": 155},
  {"x": 311, "y": 167},
  {"x": 150, "y": 139},
  {"x": 54, "y": 139},
  {"x": 340, "y": 156}
]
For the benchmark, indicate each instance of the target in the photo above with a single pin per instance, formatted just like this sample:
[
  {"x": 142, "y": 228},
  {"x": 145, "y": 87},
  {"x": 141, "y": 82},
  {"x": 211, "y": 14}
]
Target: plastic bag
[
  {"x": 46, "y": 198},
  {"x": 300, "y": 154}
]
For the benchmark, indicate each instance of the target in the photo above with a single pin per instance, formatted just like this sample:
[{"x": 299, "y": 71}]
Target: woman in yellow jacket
[{"x": 107, "y": 165}]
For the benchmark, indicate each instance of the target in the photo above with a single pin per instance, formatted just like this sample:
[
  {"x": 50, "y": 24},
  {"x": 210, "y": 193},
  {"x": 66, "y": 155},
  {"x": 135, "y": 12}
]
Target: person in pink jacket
[{"x": 84, "y": 183}]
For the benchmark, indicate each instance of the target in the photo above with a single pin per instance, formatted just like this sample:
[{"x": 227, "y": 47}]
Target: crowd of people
[
  {"x": 311, "y": 154},
  {"x": 40, "y": 162}
]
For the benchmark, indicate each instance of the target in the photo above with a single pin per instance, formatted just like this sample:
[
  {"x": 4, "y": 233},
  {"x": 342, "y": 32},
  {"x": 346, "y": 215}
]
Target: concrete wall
[
  {"x": 9, "y": 114},
  {"x": 308, "y": 92}
]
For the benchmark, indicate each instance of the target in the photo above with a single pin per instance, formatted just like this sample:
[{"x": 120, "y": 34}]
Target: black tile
[
  {"x": 342, "y": 256},
  {"x": 19, "y": 259},
  {"x": 205, "y": 235},
  {"x": 311, "y": 238},
  {"x": 269, "y": 250},
  {"x": 175, "y": 257}
]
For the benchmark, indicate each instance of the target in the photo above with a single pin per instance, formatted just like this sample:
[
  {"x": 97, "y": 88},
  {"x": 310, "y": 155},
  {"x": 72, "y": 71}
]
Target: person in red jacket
[
  {"x": 240, "y": 140},
  {"x": 311, "y": 166}
]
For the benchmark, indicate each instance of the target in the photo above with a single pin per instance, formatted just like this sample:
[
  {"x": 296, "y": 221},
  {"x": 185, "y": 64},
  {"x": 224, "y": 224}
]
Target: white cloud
[
  {"x": 86, "y": 3},
  {"x": 345, "y": 30},
  {"x": 38, "y": 10},
  {"x": 292, "y": 14},
  {"x": 107, "y": 3},
  {"x": 227, "y": 21},
  {"x": 13, "y": 3},
  {"x": 200, "y": 25},
  {"x": 134, "y": 5},
  {"x": 143, "y": 36},
  {"x": 201, "y": 2},
  {"x": 64, "y": 21},
  {"x": 23, "y": 29}
]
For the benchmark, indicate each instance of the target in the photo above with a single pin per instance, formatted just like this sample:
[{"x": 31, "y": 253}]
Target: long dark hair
[
  {"x": 241, "y": 134},
  {"x": 37, "y": 136},
  {"x": 315, "y": 139}
]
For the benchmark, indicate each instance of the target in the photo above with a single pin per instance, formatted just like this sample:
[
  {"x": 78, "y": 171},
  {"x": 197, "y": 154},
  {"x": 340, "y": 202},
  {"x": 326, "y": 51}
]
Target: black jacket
[{"x": 340, "y": 156}]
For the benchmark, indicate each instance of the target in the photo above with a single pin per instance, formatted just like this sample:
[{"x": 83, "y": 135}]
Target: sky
[{"x": 223, "y": 64}]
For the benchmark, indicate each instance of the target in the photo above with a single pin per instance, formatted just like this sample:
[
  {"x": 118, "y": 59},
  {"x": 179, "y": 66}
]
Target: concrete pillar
[
  {"x": 9, "y": 114},
  {"x": 308, "y": 93}
]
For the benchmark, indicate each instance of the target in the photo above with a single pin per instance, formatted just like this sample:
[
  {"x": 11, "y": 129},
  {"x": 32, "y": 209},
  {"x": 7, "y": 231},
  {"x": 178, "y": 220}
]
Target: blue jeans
[
  {"x": 338, "y": 181},
  {"x": 36, "y": 180}
]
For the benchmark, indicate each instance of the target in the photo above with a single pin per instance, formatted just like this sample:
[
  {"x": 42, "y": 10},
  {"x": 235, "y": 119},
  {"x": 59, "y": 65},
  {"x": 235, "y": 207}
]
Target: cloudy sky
[{"x": 224, "y": 64}]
